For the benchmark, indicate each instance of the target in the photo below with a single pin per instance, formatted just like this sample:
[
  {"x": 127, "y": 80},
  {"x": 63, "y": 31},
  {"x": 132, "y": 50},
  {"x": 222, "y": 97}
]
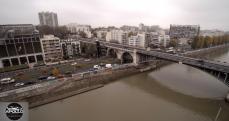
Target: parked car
[
  {"x": 51, "y": 78},
  {"x": 42, "y": 78},
  {"x": 115, "y": 65},
  {"x": 96, "y": 67},
  {"x": 87, "y": 60},
  {"x": 68, "y": 74},
  {"x": 19, "y": 84},
  {"x": 102, "y": 65},
  {"x": 60, "y": 76},
  {"x": 73, "y": 64},
  {"x": 7, "y": 80},
  {"x": 108, "y": 66},
  {"x": 201, "y": 61},
  {"x": 91, "y": 69},
  {"x": 30, "y": 83}
]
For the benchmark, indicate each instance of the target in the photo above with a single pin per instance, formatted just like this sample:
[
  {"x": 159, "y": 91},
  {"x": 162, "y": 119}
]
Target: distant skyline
[{"x": 209, "y": 14}]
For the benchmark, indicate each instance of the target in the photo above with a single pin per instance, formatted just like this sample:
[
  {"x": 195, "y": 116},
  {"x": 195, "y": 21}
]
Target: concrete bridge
[{"x": 130, "y": 54}]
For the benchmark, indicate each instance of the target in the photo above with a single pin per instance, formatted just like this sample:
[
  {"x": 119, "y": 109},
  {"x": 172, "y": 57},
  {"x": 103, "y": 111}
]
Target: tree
[
  {"x": 55, "y": 72},
  {"x": 44, "y": 71},
  {"x": 88, "y": 49},
  {"x": 173, "y": 43},
  {"x": 203, "y": 42},
  {"x": 214, "y": 42},
  {"x": 130, "y": 34},
  {"x": 207, "y": 40},
  {"x": 200, "y": 42},
  {"x": 82, "y": 34},
  {"x": 60, "y": 31},
  {"x": 195, "y": 42},
  {"x": 94, "y": 34}
]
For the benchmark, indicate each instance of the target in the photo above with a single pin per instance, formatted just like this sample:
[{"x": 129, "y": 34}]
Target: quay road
[
  {"x": 31, "y": 87},
  {"x": 48, "y": 85}
]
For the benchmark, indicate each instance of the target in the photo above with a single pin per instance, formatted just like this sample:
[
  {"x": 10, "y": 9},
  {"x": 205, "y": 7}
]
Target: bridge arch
[
  {"x": 127, "y": 58},
  {"x": 112, "y": 53}
]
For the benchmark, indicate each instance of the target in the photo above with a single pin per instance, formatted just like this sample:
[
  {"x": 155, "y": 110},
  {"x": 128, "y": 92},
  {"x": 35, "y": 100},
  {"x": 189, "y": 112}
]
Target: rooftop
[{"x": 17, "y": 29}]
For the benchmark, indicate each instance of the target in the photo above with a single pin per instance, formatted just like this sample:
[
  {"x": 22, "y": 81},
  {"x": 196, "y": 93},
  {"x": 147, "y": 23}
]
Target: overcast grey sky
[{"x": 209, "y": 14}]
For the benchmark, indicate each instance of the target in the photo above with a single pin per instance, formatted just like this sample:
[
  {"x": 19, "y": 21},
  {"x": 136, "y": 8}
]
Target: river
[{"x": 173, "y": 93}]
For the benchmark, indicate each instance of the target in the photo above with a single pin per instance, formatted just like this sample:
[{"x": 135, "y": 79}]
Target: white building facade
[
  {"x": 76, "y": 28},
  {"x": 140, "y": 40},
  {"x": 159, "y": 39},
  {"x": 51, "y": 48},
  {"x": 117, "y": 36},
  {"x": 164, "y": 40},
  {"x": 101, "y": 34}
]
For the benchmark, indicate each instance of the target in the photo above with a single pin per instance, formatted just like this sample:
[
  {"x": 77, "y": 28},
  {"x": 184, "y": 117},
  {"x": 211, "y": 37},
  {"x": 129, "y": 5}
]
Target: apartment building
[
  {"x": 145, "y": 28},
  {"x": 140, "y": 40},
  {"x": 184, "y": 31},
  {"x": 159, "y": 39},
  {"x": 117, "y": 36},
  {"x": 70, "y": 48},
  {"x": 48, "y": 18},
  {"x": 51, "y": 48},
  {"x": 19, "y": 44},
  {"x": 75, "y": 28}
]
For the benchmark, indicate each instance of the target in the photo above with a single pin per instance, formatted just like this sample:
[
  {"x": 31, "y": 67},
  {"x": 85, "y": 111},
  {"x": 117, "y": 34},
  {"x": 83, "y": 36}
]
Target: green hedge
[{"x": 13, "y": 68}]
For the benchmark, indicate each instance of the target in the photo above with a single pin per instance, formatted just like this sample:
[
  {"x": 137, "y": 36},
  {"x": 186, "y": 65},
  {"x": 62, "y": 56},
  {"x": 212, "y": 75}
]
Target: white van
[
  {"x": 7, "y": 80},
  {"x": 96, "y": 67},
  {"x": 108, "y": 66}
]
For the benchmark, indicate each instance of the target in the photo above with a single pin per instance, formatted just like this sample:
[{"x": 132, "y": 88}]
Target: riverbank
[
  {"x": 76, "y": 86},
  {"x": 95, "y": 81},
  {"x": 63, "y": 96},
  {"x": 204, "y": 51},
  {"x": 60, "y": 89}
]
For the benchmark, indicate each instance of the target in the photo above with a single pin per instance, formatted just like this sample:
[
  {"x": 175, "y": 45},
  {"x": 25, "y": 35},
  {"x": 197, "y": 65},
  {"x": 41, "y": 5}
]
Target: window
[{"x": 31, "y": 59}]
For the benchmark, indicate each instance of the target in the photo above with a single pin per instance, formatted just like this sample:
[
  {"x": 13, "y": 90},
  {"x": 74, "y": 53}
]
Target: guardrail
[{"x": 28, "y": 88}]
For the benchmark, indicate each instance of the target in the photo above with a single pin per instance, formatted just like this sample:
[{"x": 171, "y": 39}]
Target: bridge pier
[
  {"x": 136, "y": 57},
  {"x": 218, "y": 75},
  {"x": 119, "y": 56},
  {"x": 227, "y": 98},
  {"x": 225, "y": 77},
  {"x": 212, "y": 72}
]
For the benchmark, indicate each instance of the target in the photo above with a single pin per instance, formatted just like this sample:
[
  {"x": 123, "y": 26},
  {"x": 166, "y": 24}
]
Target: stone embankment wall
[{"x": 204, "y": 51}]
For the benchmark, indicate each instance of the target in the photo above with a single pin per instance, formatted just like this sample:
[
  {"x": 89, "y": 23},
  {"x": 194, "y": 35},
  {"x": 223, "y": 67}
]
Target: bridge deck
[
  {"x": 212, "y": 65},
  {"x": 206, "y": 64}
]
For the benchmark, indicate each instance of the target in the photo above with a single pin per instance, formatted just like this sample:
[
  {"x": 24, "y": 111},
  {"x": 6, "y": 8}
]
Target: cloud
[{"x": 210, "y": 14}]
